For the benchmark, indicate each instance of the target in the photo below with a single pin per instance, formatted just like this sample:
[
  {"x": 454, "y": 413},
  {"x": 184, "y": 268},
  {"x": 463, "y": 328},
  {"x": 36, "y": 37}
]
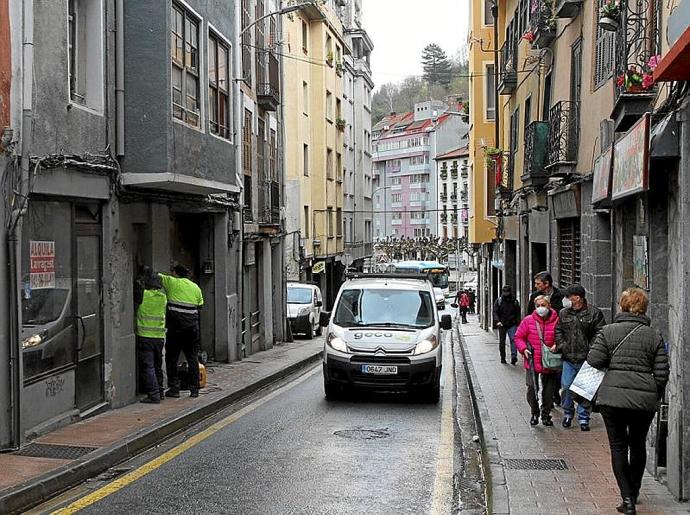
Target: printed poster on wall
[
  {"x": 630, "y": 161},
  {"x": 41, "y": 265},
  {"x": 640, "y": 262},
  {"x": 601, "y": 182}
]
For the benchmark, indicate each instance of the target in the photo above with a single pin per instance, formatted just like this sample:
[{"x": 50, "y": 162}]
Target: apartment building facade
[
  {"x": 452, "y": 172},
  {"x": 314, "y": 117},
  {"x": 590, "y": 172},
  {"x": 405, "y": 183}
]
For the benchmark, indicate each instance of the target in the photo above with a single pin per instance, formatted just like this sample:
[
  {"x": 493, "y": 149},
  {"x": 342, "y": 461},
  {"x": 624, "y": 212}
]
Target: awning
[{"x": 178, "y": 183}]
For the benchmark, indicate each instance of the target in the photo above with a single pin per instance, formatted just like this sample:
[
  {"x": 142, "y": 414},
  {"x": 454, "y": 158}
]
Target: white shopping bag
[{"x": 587, "y": 381}]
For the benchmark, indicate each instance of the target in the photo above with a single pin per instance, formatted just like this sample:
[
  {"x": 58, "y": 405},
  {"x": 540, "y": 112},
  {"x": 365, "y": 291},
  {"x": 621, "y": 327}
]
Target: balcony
[
  {"x": 444, "y": 197},
  {"x": 269, "y": 203},
  {"x": 636, "y": 43},
  {"x": 536, "y": 142},
  {"x": 444, "y": 217},
  {"x": 464, "y": 194},
  {"x": 464, "y": 173},
  {"x": 268, "y": 93},
  {"x": 444, "y": 174},
  {"x": 453, "y": 218},
  {"x": 567, "y": 8},
  {"x": 542, "y": 23},
  {"x": 507, "y": 80},
  {"x": 454, "y": 198},
  {"x": 564, "y": 133},
  {"x": 454, "y": 173}
]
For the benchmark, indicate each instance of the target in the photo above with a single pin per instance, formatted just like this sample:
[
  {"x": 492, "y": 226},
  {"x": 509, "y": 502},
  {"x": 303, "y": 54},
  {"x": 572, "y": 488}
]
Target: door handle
[{"x": 82, "y": 340}]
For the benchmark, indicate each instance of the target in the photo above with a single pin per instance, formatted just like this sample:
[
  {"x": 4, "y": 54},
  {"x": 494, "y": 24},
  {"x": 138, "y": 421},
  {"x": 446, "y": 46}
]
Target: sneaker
[
  {"x": 173, "y": 393},
  {"x": 534, "y": 420},
  {"x": 567, "y": 421},
  {"x": 584, "y": 426},
  {"x": 513, "y": 360}
]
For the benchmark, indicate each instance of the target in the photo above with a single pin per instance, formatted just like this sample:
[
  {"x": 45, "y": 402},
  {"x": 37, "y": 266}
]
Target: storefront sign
[
  {"x": 565, "y": 204},
  {"x": 601, "y": 182},
  {"x": 41, "y": 265},
  {"x": 631, "y": 160},
  {"x": 640, "y": 262},
  {"x": 319, "y": 267}
]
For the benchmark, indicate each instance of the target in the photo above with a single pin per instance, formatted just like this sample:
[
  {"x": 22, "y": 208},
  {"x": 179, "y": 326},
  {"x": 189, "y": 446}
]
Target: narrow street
[{"x": 291, "y": 451}]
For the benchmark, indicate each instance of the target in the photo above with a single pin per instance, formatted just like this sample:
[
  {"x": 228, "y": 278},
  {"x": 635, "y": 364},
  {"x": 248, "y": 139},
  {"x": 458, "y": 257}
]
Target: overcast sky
[{"x": 400, "y": 29}]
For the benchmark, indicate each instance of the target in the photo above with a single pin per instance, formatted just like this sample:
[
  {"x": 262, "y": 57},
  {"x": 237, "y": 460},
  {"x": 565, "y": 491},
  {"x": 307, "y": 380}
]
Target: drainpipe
[
  {"x": 237, "y": 58},
  {"x": 283, "y": 173},
  {"x": 119, "y": 78}
]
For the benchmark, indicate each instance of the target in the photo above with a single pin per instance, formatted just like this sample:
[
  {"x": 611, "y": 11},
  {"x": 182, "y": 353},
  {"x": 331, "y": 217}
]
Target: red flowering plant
[
  {"x": 529, "y": 36},
  {"x": 638, "y": 78}
]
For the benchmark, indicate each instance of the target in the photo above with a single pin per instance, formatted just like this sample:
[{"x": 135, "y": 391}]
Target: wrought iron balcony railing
[
  {"x": 542, "y": 23},
  {"x": 269, "y": 203},
  {"x": 507, "y": 78},
  {"x": 444, "y": 197},
  {"x": 444, "y": 217},
  {"x": 636, "y": 49},
  {"x": 564, "y": 133},
  {"x": 536, "y": 142}
]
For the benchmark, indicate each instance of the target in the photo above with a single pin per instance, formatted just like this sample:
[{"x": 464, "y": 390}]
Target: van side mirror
[
  {"x": 318, "y": 304},
  {"x": 324, "y": 319},
  {"x": 446, "y": 322}
]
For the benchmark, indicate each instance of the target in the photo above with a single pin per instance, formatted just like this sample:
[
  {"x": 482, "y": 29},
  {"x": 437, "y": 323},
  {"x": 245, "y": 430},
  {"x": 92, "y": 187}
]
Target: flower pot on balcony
[{"x": 610, "y": 24}]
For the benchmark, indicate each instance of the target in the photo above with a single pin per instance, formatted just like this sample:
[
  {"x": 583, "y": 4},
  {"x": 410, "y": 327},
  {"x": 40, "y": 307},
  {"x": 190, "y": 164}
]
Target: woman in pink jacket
[{"x": 528, "y": 343}]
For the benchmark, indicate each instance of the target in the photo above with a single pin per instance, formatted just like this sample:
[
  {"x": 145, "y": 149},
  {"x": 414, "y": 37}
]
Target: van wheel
[
  {"x": 331, "y": 390},
  {"x": 433, "y": 394}
]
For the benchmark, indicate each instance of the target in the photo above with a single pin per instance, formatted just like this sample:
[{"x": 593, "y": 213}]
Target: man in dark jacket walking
[
  {"x": 543, "y": 285},
  {"x": 575, "y": 333},
  {"x": 507, "y": 318}
]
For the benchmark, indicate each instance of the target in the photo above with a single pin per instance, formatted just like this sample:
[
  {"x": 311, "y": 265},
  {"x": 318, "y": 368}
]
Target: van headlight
[
  {"x": 426, "y": 345},
  {"x": 336, "y": 343}
]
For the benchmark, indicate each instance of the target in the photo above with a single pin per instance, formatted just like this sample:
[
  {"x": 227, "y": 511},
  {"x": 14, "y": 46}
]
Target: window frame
[
  {"x": 92, "y": 98},
  {"x": 486, "y": 14},
  {"x": 186, "y": 70},
  {"x": 219, "y": 40},
  {"x": 489, "y": 92},
  {"x": 604, "y": 45}
]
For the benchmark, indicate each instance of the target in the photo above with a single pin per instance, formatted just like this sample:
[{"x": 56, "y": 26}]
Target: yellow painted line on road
[
  {"x": 164, "y": 458},
  {"x": 442, "y": 499}
]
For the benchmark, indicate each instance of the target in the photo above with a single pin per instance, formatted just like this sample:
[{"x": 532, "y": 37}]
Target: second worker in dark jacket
[
  {"x": 580, "y": 323},
  {"x": 507, "y": 318},
  {"x": 635, "y": 356}
]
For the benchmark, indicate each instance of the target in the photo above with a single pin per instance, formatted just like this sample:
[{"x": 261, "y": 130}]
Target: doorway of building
[{"x": 538, "y": 257}]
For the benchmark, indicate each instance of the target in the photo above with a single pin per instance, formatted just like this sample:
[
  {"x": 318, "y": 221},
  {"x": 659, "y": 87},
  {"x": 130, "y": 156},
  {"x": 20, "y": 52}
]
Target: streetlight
[{"x": 284, "y": 10}]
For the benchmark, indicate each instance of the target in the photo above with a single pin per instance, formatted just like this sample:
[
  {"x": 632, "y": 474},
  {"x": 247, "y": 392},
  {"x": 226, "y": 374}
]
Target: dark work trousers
[
  {"x": 463, "y": 314},
  {"x": 549, "y": 384},
  {"x": 627, "y": 430},
  {"x": 182, "y": 339},
  {"x": 150, "y": 357}
]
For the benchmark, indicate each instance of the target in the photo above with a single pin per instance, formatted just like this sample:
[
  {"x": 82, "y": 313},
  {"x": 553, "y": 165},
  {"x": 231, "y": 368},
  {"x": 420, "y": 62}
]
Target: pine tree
[{"x": 437, "y": 66}]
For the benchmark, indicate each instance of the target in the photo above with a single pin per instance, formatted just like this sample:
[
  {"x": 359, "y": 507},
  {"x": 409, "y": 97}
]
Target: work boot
[
  {"x": 546, "y": 420},
  {"x": 173, "y": 393},
  {"x": 150, "y": 400},
  {"x": 194, "y": 393}
]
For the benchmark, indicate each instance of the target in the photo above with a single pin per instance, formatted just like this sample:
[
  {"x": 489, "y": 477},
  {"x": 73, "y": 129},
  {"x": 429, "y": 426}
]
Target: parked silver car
[{"x": 384, "y": 334}]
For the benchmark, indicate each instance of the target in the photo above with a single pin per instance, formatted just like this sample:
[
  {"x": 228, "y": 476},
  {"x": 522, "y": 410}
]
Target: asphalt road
[{"x": 294, "y": 452}]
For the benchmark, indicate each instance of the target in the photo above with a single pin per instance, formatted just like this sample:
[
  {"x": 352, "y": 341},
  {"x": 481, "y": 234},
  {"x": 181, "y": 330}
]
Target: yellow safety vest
[
  {"x": 151, "y": 314},
  {"x": 184, "y": 296}
]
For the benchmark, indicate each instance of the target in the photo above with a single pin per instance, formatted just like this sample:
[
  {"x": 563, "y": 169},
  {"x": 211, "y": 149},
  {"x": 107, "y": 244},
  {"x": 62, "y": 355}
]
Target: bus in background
[{"x": 437, "y": 272}]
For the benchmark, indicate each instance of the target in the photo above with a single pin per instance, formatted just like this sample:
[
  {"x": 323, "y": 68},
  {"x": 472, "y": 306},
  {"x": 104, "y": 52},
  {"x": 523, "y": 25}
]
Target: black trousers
[
  {"x": 627, "y": 431},
  {"x": 150, "y": 358},
  {"x": 463, "y": 314},
  {"x": 549, "y": 385},
  {"x": 186, "y": 340}
]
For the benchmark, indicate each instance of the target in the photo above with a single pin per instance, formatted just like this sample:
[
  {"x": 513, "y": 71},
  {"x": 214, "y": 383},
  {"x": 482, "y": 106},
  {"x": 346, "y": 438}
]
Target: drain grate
[
  {"x": 58, "y": 452},
  {"x": 536, "y": 464},
  {"x": 363, "y": 434}
]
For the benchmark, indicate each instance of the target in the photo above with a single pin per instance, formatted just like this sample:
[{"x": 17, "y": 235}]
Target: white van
[
  {"x": 384, "y": 334},
  {"x": 304, "y": 303}
]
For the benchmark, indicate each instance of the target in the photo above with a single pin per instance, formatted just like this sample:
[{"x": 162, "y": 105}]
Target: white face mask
[
  {"x": 542, "y": 311},
  {"x": 567, "y": 303}
]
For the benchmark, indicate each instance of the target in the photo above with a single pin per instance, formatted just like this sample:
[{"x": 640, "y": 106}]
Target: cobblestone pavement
[{"x": 588, "y": 484}]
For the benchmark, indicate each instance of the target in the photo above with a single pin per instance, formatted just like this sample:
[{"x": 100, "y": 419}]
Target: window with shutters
[
  {"x": 569, "y": 257},
  {"x": 604, "y": 52}
]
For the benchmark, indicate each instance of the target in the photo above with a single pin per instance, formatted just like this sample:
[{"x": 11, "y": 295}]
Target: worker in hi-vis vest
[
  {"x": 150, "y": 331},
  {"x": 184, "y": 334}
]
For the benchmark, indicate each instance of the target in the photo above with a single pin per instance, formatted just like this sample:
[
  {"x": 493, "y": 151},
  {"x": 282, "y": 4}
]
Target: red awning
[{"x": 675, "y": 65}]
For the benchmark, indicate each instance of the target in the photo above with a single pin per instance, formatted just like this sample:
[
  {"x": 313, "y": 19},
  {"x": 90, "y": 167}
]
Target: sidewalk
[
  {"x": 586, "y": 486},
  {"x": 102, "y": 441}
]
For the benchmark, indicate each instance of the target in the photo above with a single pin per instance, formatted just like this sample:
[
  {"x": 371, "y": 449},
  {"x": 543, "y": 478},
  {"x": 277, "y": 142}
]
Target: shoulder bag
[
  {"x": 588, "y": 379},
  {"x": 549, "y": 359}
]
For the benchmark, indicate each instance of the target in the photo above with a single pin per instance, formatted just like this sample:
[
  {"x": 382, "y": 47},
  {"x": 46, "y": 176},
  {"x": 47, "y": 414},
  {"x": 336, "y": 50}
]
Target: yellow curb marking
[
  {"x": 152, "y": 465},
  {"x": 443, "y": 483}
]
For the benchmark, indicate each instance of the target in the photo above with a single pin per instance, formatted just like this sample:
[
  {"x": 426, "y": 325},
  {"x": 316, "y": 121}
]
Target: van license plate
[{"x": 380, "y": 369}]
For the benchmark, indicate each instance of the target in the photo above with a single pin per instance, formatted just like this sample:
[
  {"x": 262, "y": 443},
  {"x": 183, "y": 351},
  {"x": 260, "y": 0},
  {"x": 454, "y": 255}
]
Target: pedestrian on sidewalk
[
  {"x": 184, "y": 332},
  {"x": 507, "y": 318},
  {"x": 543, "y": 320},
  {"x": 579, "y": 324},
  {"x": 638, "y": 371},
  {"x": 150, "y": 335},
  {"x": 463, "y": 301},
  {"x": 473, "y": 298}
]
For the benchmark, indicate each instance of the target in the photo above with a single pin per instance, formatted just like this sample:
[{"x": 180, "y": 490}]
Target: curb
[
  {"x": 35, "y": 491},
  {"x": 497, "y": 497}
]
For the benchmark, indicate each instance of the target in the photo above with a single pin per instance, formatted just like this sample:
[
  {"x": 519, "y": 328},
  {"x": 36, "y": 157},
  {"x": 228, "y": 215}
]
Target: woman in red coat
[{"x": 528, "y": 343}]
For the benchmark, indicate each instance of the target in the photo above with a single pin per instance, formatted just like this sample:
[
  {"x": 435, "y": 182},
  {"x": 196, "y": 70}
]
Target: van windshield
[
  {"x": 384, "y": 308},
  {"x": 299, "y": 295}
]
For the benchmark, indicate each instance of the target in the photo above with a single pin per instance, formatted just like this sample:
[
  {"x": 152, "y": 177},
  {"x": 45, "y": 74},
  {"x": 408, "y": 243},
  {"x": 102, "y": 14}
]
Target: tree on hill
[{"x": 436, "y": 65}]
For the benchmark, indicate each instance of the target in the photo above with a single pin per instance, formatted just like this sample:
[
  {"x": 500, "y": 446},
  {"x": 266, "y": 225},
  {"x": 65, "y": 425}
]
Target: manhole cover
[
  {"x": 536, "y": 464},
  {"x": 58, "y": 452},
  {"x": 363, "y": 434}
]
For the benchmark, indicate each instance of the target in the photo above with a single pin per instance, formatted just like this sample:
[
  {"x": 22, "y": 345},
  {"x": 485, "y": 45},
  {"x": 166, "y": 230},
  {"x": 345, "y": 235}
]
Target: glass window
[
  {"x": 305, "y": 37},
  {"x": 185, "y": 65},
  {"x": 384, "y": 308},
  {"x": 47, "y": 288},
  {"x": 489, "y": 81},
  {"x": 218, "y": 87},
  {"x": 488, "y": 16},
  {"x": 299, "y": 295}
]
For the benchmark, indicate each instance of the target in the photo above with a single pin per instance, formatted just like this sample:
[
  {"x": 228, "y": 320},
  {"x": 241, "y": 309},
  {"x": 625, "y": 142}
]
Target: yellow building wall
[
  {"x": 481, "y": 226},
  {"x": 307, "y": 123}
]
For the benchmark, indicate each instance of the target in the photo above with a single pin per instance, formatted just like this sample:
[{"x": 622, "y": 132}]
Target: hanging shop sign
[
  {"x": 601, "y": 181},
  {"x": 631, "y": 161},
  {"x": 41, "y": 265},
  {"x": 640, "y": 262},
  {"x": 319, "y": 267}
]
